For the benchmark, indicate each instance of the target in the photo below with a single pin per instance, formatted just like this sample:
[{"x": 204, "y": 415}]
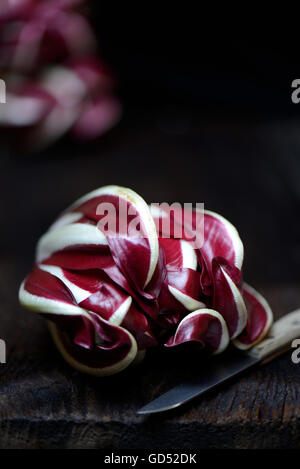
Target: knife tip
[
  {"x": 142, "y": 412},
  {"x": 148, "y": 411}
]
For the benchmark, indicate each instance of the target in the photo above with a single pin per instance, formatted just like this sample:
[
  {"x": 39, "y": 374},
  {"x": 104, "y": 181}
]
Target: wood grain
[{"x": 45, "y": 404}]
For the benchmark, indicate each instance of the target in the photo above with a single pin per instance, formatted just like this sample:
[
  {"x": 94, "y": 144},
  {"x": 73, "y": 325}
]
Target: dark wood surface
[
  {"x": 45, "y": 404},
  {"x": 246, "y": 170}
]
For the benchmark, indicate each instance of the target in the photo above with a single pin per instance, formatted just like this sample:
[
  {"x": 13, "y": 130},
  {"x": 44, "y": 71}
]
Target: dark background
[{"x": 207, "y": 117}]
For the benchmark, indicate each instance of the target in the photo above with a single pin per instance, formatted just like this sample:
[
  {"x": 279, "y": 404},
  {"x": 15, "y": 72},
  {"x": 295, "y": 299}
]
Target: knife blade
[{"x": 283, "y": 332}]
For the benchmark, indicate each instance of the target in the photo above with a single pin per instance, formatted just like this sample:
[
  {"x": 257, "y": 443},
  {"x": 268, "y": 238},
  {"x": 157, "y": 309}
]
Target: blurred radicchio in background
[{"x": 55, "y": 81}]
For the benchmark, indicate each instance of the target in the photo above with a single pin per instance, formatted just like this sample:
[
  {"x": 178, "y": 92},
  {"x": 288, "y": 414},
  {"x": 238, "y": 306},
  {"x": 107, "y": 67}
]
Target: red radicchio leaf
[
  {"x": 227, "y": 298},
  {"x": 138, "y": 324},
  {"x": 86, "y": 341},
  {"x": 220, "y": 240},
  {"x": 106, "y": 358},
  {"x": 97, "y": 117},
  {"x": 41, "y": 284},
  {"x": 135, "y": 256},
  {"x": 259, "y": 319},
  {"x": 205, "y": 326},
  {"x": 51, "y": 45}
]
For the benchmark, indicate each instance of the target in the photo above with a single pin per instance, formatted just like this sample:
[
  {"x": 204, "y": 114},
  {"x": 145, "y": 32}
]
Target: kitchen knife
[{"x": 278, "y": 341}]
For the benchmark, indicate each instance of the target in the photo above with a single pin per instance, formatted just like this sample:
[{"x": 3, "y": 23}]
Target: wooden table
[
  {"x": 245, "y": 171},
  {"x": 44, "y": 403}
]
